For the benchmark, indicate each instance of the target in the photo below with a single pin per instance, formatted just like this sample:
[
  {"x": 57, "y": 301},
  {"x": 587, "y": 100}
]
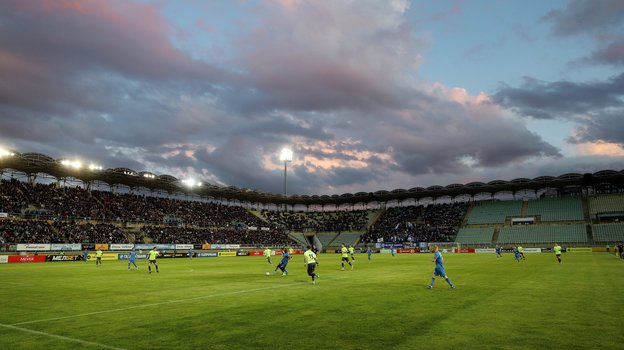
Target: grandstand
[
  {"x": 479, "y": 235},
  {"x": 64, "y": 207},
  {"x": 608, "y": 233},
  {"x": 574, "y": 233},
  {"x": 556, "y": 209}
]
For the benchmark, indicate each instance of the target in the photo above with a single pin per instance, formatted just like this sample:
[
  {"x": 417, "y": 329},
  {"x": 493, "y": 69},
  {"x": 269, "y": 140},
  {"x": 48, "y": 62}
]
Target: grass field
[{"x": 229, "y": 303}]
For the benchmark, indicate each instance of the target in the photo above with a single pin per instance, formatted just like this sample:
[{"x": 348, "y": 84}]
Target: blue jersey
[
  {"x": 439, "y": 269},
  {"x": 285, "y": 259},
  {"x": 132, "y": 256}
]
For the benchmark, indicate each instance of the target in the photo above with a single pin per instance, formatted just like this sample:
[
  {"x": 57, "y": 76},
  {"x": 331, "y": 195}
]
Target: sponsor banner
[
  {"x": 242, "y": 253},
  {"x": 600, "y": 249},
  {"x": 579, "y": 250},
  {"x": 159, "y": 246},
  {"x": 126, "y": 256},
  {"x": 121, "y": 246},
  {"x": 33, "y": 247},
  {"x": 207, "y": 255},
  {"x": 407, "y": 251},
  {"x": 109, "y": 256},
  {"x": 389, "y": 245},
  {"x": 66, "y": 246},
  {"x": 88, "y": 246},
  {"x": 298, "y": 251},
  {"x": 486, "y": 250},
  {"x": 532, "y": 250},
  {"x": 173, "y": 255},
  {"x": 232, "y": 246},
  {"x": 197, "y": 246},
  {"x": 252, "y": 228},
  {"x": 256, "y": 253},
  {"x": 465, "y": 250},
  {"x": 205, "y": 246},
  {"x": 4, "y": 259},
  {"x": 183, "y": 246},
  {"x": 101, "y": 246},
  {"x": 4, "y": 215},
  {"x": 63, "y": 257},
  {"x": 26, "y": 258},
  {"x": 227, "y": 253}
]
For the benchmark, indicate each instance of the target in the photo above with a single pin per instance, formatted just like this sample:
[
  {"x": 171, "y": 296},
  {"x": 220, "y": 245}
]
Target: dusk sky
[{"x": 370, "y": 95}]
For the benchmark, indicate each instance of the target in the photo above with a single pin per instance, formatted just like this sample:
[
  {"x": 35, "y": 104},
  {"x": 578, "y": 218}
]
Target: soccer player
[
  {"x": 85, "y": 255},
  {"x": 369, "y": 251},
  {"x": 521, "y": 252},
  {"x": 351, "y": 252},
  {"x": 345, "y": 257},
  {"x": 283, "y": 263},
  {"x": 132, "y": 259},
  {"x": 499, "y": 250},
  {"x": 98, "y": 257},
  {"x": 310, "y": 261},
  {"x": 439, "y": 269},
  {"x": 151, "y": 256},
  {"x": 267, "y": 253},
  {"x": 516, "y": 254},
  {"x": 190, "y": 253},
  {"x": 392, "y": 251},
  {"x": 557, "y": 250}
]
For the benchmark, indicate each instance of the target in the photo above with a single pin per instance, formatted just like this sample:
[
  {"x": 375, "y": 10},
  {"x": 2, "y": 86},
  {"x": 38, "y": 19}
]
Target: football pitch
[{"x": 229, "y": 303}]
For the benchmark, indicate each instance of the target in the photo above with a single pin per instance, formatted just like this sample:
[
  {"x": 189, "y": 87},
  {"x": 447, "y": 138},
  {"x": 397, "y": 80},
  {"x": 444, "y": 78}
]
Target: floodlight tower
[{"x": 286, "y": 155}]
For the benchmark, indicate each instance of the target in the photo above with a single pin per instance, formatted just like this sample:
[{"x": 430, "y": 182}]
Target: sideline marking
[
  {"x": 85, "y": 342},
  {"x": 163, "y": 303}
]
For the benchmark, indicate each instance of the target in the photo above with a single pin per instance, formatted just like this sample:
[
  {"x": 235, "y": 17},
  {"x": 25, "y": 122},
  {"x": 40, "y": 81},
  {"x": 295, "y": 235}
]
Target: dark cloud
[
  {"x": 610, "y": 51},
  {"x": 586, "y": 16},
  {"x": 604, "y": 127},
  {"x": 102, "y": 80},
  {"x": 561, "y": 99}
]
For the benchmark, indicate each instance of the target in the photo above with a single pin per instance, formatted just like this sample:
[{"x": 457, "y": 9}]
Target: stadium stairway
[
  {"x": 495, "y": 235},
  {"x": 590, "y": 234},
  {"x": 525, "y": 208}
]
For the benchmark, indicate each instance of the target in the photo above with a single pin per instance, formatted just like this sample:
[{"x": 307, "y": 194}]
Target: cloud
[
  {"x": 336, "y": 81},
  {"x": 561, "y": 99},
  {"x": 586, "y": 16},
  {"x": 610, "y": 51}
]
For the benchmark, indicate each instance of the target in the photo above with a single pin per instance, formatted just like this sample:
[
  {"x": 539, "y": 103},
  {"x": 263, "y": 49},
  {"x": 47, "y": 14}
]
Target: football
[{"x": 267, "y": 273}]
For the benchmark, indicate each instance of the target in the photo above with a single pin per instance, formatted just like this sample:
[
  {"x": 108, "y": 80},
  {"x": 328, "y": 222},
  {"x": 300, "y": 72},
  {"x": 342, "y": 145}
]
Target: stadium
[
  {"x": 211, "y": 241},
  {"x": 311, "y": 174}
]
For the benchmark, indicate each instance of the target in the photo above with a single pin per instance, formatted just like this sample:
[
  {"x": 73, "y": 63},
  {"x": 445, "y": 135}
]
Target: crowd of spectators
[
  {"x": 183, "y": 235},
  {"x": 27, "y": 231},
  {"x": 434, "y": 223},
  {"x": 339, "y": 221},
  {"x": 74, "y": 210}
]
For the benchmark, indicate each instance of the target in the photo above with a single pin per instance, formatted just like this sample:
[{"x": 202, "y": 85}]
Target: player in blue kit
[
  {"x": 439, "y": 269},
  {"x": 132, "y": 259},
  {"x": 283, "y": 263},
  {"x": 516, "y": 254},
  {"x": 499, "y": 250}
]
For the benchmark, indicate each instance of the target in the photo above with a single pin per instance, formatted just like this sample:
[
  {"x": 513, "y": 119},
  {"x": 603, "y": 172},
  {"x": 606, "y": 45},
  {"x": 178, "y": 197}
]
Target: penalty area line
[
  {"x": 153, "y": 304},
  {"x": 51, "y": 335},
  {"x": 166, "y": 302}
]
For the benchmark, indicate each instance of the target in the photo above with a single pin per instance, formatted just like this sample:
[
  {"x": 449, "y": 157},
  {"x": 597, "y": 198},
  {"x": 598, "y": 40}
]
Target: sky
[{"x": 370, "y": 95}]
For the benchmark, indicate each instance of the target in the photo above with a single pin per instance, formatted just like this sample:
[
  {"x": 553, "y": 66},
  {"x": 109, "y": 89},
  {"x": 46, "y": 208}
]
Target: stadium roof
[{"x": 35, "y": 163}]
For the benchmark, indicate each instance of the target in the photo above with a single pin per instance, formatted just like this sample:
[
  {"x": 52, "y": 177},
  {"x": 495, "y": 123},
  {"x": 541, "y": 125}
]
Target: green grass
[{"x": 228, "y": 303}]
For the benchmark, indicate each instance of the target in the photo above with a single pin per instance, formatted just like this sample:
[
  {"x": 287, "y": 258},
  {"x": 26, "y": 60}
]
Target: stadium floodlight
[
  {"x": 6, "y": 153},
  {"x": 94, "y": 167},
  {"x": 191, "y": 183},
  {"x": 286, "y": 155},
  {"x": 76, "y": 164},
  {"x": 149, "y": 176}
]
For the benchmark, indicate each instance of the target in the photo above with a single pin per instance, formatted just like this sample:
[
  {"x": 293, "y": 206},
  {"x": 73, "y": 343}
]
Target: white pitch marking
[{"x": 84, "y": 342}]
